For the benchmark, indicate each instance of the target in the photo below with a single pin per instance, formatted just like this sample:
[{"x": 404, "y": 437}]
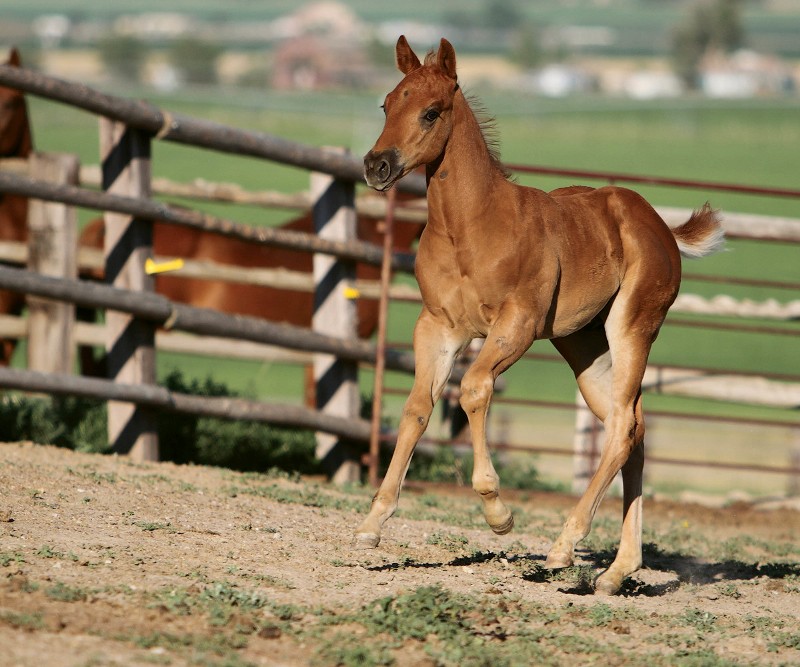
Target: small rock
[
  {"x": 620, "y": 628},
  {"x": 269, "y": 632}
]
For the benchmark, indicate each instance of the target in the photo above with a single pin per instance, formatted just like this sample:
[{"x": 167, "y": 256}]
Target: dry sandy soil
[{"x": 106, "y": 562}]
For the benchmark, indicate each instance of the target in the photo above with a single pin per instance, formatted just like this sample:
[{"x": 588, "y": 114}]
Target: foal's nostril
[{"x": 381, "y": 168}]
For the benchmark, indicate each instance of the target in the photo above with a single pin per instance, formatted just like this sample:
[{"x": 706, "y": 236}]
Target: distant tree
[
  {"x": 726, "y": 30},
  {"x": 527, "y": 47},
  {"x": 710, "y": 25},
  {"x": 380, "y": 54},
  {"x": 502, "y": 14},
  {"x": 195, "y": 59},
  {"x": 123, "y": 56}
]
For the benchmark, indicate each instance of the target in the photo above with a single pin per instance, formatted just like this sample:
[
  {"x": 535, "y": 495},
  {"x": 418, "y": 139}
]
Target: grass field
[{"x": 753, "y": 142}]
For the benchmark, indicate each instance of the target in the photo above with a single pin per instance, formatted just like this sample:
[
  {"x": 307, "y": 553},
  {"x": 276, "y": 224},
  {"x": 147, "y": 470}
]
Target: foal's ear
[
  {"x": 446, "y": 59},
  {"x": 13, "y": 57},
  {"x": 407, "y": 60}
]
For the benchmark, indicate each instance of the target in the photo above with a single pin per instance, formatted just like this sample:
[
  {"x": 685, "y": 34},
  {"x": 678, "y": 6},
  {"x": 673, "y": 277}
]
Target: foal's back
[{"x": 591, "y": 240}]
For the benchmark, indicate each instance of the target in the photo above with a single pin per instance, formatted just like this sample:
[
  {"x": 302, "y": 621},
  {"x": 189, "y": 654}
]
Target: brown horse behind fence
[
  {"x": 15, "y": 141},
  {"x": 593, "y": 270},
  {"x": 272, "y": 303},
  {"x": 281, "y": 305}
]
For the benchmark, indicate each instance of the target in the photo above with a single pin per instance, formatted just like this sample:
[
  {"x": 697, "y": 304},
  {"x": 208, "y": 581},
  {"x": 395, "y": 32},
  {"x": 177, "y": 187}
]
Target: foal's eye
[{"x": 431, "y": 115}]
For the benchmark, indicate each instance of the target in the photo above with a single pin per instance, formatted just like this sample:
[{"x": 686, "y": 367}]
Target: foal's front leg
[
  {"x": 435, "y": 348},
  {"x": 506, "y": 342}
]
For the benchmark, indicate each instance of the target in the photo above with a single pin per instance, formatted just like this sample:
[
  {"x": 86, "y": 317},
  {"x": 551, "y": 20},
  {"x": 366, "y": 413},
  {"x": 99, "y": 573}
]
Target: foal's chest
[{"x": 460, "y": 285}]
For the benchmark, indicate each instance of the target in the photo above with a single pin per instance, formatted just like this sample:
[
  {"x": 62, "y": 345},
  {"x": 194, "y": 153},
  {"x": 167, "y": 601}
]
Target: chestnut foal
[{"x": 593, "y": 270}]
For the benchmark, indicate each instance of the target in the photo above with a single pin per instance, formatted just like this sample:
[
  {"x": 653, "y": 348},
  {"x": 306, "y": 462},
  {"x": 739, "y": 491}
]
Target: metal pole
[{"x": 380, "y": 356}]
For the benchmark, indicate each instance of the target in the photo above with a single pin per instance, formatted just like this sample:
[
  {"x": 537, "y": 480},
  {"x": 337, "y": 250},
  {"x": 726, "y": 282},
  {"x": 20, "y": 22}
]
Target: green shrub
[
  {"x": 81, "y": 424},
  {"x": 240, "y": 445},
  {"x": 74, "y": 423}
]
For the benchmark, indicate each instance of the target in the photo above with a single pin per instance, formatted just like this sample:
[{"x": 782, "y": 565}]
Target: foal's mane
[{"x": 486, "y": 122}]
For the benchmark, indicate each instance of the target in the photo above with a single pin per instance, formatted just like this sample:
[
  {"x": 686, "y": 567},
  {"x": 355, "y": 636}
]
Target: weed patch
[
  {"x": 64, "y": 593},
  {"x": 22, "y": 620},
  {"x": 7, "y": 558}
]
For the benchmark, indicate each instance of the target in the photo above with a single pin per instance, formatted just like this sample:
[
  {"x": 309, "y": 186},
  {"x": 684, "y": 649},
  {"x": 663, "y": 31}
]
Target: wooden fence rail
[
  {"x": 155, "y": 396},
  {"x": 201, "y": 189},
  {"x": 202, "y": 321},
  {"x": 179, "y": 128},
  {"x": 359, "y": 251}
]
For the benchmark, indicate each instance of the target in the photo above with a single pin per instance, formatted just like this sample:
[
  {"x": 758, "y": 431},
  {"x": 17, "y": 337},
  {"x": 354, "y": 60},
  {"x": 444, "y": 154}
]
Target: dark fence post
[
  {"x": 335, "y": 315},
  {"x": 52, "y": 243},
  {"x": 125, "y": 157}
]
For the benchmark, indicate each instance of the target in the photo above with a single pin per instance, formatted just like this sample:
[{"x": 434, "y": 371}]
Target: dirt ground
[{"x": 106, "y": 562}]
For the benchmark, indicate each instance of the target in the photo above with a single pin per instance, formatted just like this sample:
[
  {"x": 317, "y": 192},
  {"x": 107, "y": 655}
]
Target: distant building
[
  {"x": 745, "y": 74},
  {"x": 321, "y": 45},
  {"x": 314, "y": 62},
  {"x": 652, "y": 84},
  {"x": 558, "y": 80}
]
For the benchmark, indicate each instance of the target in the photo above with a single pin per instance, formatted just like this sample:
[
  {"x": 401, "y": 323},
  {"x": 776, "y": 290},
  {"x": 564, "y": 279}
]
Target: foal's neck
[{"x": 466, "y": 174}]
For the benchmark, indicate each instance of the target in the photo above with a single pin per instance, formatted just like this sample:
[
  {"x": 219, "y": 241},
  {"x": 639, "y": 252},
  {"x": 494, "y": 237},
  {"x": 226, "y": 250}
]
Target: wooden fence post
[
  {"x": 587, "y": 447},
  {"x": 52, "y": 243},
  {"x": 125, "y": 157},
  {"x": 335, "y": 314}
]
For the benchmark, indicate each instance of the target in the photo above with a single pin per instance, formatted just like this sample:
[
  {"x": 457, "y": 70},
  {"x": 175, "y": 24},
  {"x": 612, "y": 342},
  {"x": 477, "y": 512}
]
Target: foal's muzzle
[{"x": 383, "y": 168}]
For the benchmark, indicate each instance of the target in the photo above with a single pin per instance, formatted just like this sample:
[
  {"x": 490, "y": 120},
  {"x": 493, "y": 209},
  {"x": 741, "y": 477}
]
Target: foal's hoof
[
  {"x": 556, "y": 560},
  {"x": 366, "y": 540},
  {"x": 607, "y": 584},
  {"x": 505, "y": 526}
]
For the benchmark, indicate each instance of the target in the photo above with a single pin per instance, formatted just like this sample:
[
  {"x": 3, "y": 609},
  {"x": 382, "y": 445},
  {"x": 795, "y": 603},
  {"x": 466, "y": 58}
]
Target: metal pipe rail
[{"x": 615, "y": 177}]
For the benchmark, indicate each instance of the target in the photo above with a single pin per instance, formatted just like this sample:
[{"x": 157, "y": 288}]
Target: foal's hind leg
[
  {"x": 588, "y": 355},
  {"x": 613, "y": 391},
  {"x": 435, "y": 349}
]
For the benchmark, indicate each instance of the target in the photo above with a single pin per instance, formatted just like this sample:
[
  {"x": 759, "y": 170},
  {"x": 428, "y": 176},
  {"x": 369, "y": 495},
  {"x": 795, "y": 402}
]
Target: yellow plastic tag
[
  {"x": 151, "y": 267},
  {"x": 351, "y": 293}
]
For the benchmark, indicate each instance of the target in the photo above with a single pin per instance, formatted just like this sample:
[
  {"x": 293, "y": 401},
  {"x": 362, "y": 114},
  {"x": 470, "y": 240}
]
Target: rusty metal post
[{"x": 380, "y": 360}]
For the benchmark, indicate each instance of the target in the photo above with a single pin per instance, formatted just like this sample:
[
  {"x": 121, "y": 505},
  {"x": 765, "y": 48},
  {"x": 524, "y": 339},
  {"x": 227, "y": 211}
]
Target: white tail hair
[{"x": 701, "y": 234}]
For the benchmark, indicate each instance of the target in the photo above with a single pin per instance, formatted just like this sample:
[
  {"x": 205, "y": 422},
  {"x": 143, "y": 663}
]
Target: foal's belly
[
  {"x": 475, "y": 311},
  {"x": 576, "y": 307}
]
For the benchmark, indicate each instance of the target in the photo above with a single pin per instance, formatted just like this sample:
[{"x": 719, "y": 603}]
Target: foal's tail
[{"x": 701, "y": 235}]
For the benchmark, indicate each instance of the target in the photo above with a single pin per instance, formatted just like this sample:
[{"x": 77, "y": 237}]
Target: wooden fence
[{"x": 126, "y": 132}]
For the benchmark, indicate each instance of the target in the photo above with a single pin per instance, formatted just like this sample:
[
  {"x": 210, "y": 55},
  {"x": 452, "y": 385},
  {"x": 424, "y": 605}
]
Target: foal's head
[
  {"x": 15, "y": 134},
  {"x": 418, "y": 116}
]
